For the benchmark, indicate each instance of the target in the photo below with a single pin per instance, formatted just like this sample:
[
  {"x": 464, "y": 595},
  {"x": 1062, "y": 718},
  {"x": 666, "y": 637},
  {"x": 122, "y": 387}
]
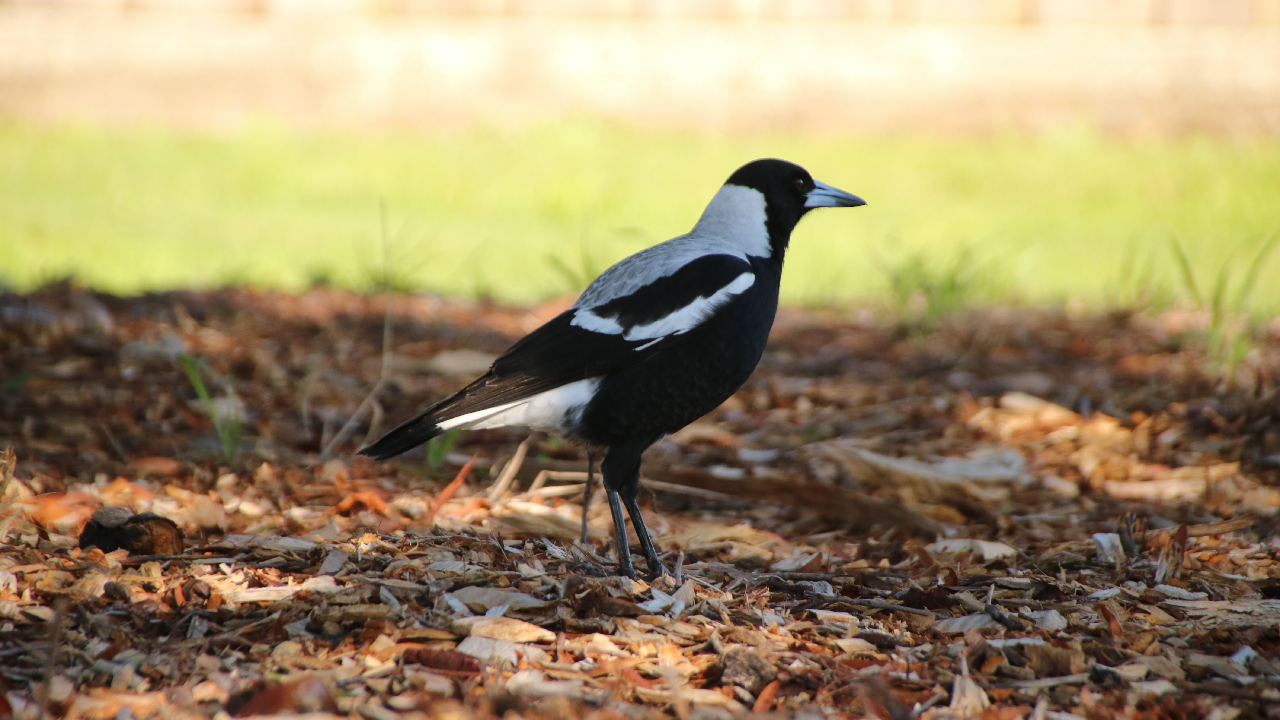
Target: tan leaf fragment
[{"x": 502, "y": 628}]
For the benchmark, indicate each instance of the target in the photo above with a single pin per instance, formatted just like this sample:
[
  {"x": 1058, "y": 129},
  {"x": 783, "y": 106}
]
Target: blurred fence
[
  {"x": 1017, "y": 12},
  {"x": 869, "y": 65}
]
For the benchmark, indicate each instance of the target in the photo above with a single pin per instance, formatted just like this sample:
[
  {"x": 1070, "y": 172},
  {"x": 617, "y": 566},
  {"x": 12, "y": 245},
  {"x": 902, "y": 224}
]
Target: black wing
[{"x": 586, "y": 342}]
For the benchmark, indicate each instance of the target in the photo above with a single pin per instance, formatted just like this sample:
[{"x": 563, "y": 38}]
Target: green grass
[{"x": 528, "y": 214}]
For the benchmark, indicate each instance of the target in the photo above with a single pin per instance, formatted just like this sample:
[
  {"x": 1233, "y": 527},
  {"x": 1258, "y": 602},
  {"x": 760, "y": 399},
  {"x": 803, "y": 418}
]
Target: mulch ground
[{"x": 1011, "y": 513}]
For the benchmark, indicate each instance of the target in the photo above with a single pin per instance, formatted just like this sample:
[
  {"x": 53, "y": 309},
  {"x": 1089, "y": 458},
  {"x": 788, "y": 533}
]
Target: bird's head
[{"x": 774, "y": 194}]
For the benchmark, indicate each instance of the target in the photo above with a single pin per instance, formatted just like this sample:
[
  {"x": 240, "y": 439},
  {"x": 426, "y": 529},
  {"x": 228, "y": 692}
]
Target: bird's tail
[{"x": 409, "y": 435}]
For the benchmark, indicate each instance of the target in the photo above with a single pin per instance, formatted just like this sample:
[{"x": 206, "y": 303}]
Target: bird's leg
[
  {"x": 656, "y": 568},
  {"x": 620, "y": 533},
  {"x": 586, "y": 499}
]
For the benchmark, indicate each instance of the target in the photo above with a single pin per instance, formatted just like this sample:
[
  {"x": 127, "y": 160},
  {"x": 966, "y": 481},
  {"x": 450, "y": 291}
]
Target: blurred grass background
[{"x": 526, "y": 214}]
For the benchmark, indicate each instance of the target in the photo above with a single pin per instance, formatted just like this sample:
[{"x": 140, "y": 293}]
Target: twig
[
  {"x": 375, "y": 423},
  {"x": 936, "y": 698},
  {"x": 544, "y": 475},
  {"x": 372, "y": 398},
  {"x": 686, "y": 490},
  {"x": 509, "y": 471},
  {"x": 880, "y": 604},
  {"x": 555, "y": 491},
  {"x": 350, "y": 426},
  {"x": 1224, "y": 690},
  {"x": 586, "y": 498},
  {"x": 1219, "y": 528},
  {"x": 994, "y": 613},
  {"x": 450, "y": 489},
  {"x": 1042, "y": 683},
  {"x": 51, "y": 661}
]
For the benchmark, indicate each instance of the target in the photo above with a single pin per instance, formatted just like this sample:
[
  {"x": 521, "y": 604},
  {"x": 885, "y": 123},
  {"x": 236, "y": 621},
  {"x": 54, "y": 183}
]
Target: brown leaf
[
  {"x": 1050, "y": 661},
  {"x": 155, "y": 465},
  {"x": 360, "y": 500},
  {"x": 610, "y": 606},
  {"x": 1111, "y": 612},
  {"x": 307, "y": 694},
  {"x": 765, "y": 699},
  {"x": 450, "y": 661}
]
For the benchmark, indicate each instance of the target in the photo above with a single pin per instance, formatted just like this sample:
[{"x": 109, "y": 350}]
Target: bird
[{"x": 658, "y": 340}]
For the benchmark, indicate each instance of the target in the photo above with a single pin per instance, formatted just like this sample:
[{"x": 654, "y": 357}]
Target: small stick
[
  {"x": 450, "y": 489},
  {"x": 371, "y": 400},
  {"x": 586, "y": 499},
  {"x": 509, "y": 471},
  {"x": 687, "y": 490},
  {"x": 51, "y": 661},
  {"x": 544, "y": 475}
]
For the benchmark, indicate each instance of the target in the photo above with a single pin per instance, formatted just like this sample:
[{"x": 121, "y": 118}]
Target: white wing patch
[
  {"x": 676, "y": 323},
  {"x": 554, "y": 409}
]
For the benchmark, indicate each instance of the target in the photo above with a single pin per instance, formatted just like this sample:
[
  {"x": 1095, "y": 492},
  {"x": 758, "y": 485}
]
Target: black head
[{"x": 789, "y": 192}]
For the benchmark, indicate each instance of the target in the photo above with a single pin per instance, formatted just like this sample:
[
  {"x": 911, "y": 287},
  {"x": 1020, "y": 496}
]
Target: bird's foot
[{"x": 653, "y": 575}]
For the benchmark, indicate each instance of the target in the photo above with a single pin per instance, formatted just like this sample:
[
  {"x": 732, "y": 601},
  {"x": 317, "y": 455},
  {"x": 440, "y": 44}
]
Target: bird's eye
[{"x": 800, "y": 185}]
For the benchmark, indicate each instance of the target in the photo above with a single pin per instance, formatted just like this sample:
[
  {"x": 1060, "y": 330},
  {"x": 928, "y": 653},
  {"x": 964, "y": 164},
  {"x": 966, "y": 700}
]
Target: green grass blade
[
  {"x": 1188, "y": 275},
  {"x": 439, "y": 446},
  {"x": 1245, "y": 295}
]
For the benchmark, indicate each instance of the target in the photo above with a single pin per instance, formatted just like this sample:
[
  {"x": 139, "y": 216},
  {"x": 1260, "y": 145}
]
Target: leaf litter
[{"x": 1018, "y": 514}]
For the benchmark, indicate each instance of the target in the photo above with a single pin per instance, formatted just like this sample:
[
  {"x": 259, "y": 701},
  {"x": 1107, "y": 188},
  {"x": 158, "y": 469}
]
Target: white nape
[
  {"x": 737, "y": 214},
  {"x": 550, "y": 410}
]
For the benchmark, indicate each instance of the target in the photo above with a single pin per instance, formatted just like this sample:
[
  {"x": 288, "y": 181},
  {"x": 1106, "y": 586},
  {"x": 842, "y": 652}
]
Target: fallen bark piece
[
  {"x": 357, "y": 613},
  {"x": 1153, "y": 687},
  {"x": 319, "y": 584},
  {"x": 984, "y": 476},
  {"x": 481, "y": 599},
  {"x": 856, "y": 646},
  {"x": 963, "y": 624},
  {"x": 989, "y": 550},
  {"x": 747, "y": 670},
  {"x": 611, "y": 606},
  {"x": 502, "y": 628},
  {"x": 967, "y": 698},
  {"x": 534, "y": 683},
  {"x": 1220, "y": 666},
  {"x": 1220, "y": 528},
  {"x": 497, "y": 652},
  {"x": 1178, "y": 593},
  {"x": 691, "y": 695},
  {"x": 333, "y": 562},
  {"x": 602, "y": 645},
  {"x": 1162, "y": 666},
  {"x": 832, "y": 503},
  {"x": 1050, "y": 620},
  {"x": 1213, "y": 614},
  {"x": 282, "y": 544},
  {"x": 1049, "y": 661}
]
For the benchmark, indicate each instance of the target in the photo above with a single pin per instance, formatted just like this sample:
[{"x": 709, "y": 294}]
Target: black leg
[
  {"x": 621, "y": 474},
  {"x": 656, "y": 568},
  {"x": 620, "y": 534},
  {"x": 586, "y": 499}
]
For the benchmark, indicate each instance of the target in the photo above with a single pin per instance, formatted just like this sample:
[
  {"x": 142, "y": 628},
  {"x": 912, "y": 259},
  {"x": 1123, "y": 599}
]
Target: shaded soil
[{"x": 1012, "y": 513}]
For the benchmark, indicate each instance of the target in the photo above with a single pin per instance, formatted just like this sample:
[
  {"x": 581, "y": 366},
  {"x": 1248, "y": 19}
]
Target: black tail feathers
[{"x": 404, "y": 438}]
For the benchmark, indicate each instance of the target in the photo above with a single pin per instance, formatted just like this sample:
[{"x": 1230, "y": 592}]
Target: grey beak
[{"x": 823, "y": 195}]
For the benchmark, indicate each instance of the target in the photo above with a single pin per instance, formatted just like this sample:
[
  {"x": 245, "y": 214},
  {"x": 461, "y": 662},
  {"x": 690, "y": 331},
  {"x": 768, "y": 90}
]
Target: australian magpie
[{"x": 657, "y": 341}]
